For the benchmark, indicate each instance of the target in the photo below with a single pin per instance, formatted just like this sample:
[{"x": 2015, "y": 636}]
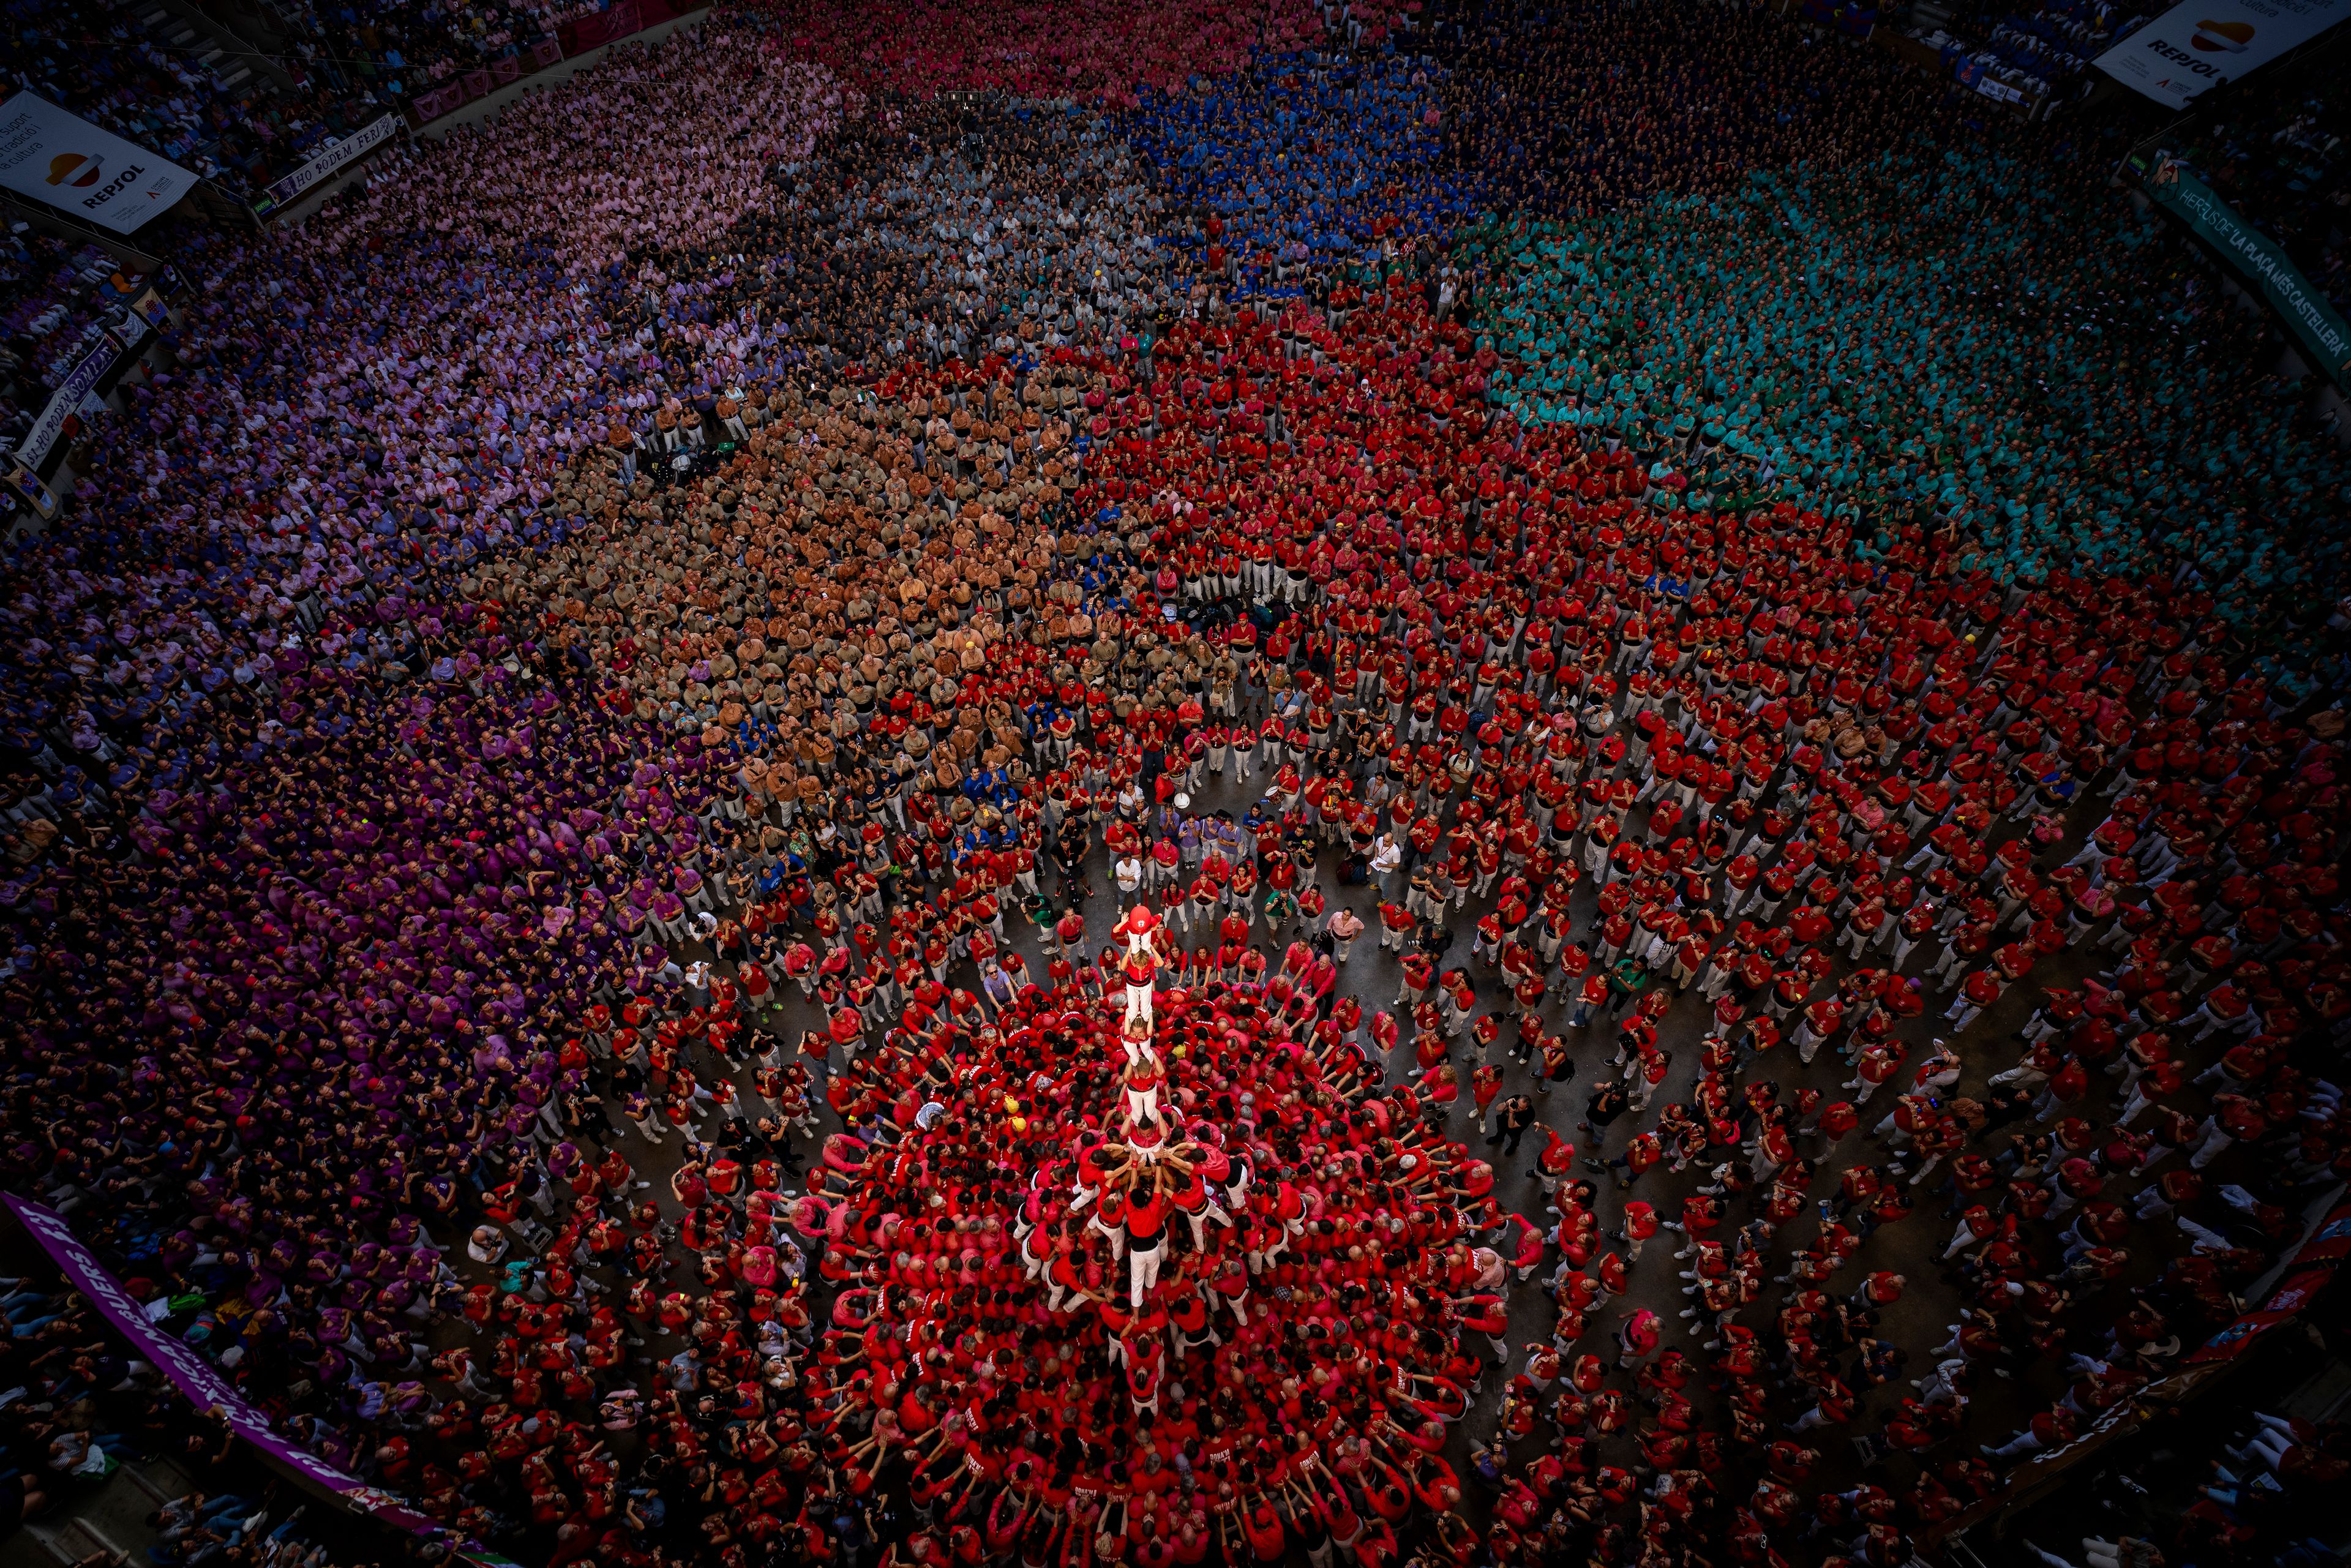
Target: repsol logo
[
  {"x": 113, "y": 187},
  {"x": 2180, "y": 57}
]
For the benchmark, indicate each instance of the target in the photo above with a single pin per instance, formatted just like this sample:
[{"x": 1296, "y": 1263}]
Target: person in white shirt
[{"x": 1344, "y": 926}]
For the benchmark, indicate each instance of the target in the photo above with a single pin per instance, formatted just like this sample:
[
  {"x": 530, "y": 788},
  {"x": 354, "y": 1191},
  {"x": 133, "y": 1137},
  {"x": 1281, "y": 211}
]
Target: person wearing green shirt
[{"x": 1628, "y": 978}]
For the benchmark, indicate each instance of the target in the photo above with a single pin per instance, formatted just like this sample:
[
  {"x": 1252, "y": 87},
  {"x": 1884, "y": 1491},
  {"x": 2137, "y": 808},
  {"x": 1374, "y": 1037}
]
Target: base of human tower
[{"x": 1173, "y": 1283}]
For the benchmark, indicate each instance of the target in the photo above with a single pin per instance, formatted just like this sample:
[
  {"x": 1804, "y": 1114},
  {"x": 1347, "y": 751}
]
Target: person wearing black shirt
[
  {"x": 1513, "y": 1117},
  {"x": 1607, "y": 1103}
]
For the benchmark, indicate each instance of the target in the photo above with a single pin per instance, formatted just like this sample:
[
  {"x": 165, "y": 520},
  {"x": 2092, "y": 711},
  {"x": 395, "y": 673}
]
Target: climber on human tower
[
  {"x": 1146, "y": 1226},
  {"x": 1141, "y": 967},
  {"x": 1145, "y": 1077}
]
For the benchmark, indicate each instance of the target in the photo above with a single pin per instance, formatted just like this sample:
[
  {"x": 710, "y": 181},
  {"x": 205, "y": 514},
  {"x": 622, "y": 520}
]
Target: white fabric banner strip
[
  {"x": 358, "y": 144},
  {"x": 64, "y": 404},
  {"x": 2195, "y": 47},
  {"x": 62, "y": 159}
]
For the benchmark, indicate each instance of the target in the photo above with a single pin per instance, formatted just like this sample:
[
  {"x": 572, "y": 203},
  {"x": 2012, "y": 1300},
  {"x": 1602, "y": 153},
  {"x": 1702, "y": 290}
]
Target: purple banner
[
  {"x": 196, "y": 1377},
  {"x": 430, "y": 106},
  {"x": 622, "y": 19},
  {"x": 462, "y": 91}
]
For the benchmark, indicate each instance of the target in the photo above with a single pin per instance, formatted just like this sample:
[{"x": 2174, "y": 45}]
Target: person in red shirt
[{"x": 1638, "y": 1225}]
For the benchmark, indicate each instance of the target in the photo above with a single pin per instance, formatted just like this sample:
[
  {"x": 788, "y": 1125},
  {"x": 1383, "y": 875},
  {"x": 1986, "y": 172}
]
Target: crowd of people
[
  {"x": 936, "y": 231},
  {"x": 395, "y": 48},
  {"x": 319, "y": 73},
  {"x": 657, "y": 820},
  {"x": 696, "y": 145},
  {"x": 1843, "y": 329},
  {"x": 1304, "y": 168},
  {"x": 1279, "y": 1368},
  {"x": 1103, "y": 52},
  {"x": 1580, "y": 110}
]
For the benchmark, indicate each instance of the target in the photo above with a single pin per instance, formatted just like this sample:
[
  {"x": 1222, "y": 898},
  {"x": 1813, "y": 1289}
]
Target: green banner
[{"x": 2324, "y": 337}]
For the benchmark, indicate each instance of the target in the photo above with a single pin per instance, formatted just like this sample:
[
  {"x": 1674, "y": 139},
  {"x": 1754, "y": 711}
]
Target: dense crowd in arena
[{"x": 1153, "y": 784}]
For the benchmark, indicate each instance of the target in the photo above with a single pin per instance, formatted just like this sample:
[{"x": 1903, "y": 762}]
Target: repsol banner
[
  {"x": 2258, "y": 258},
  {"x": 81, "y": 169},
  {"x": 2197, "y": 47}
]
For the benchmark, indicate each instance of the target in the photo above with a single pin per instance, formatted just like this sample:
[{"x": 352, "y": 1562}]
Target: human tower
[{"x": 1225, "y": 1243}]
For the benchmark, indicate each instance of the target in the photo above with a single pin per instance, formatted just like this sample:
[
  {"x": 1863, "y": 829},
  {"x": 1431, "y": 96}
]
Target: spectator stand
[
  {"x": 2036, "y": 60},
  {"x": 79, "y": 323},
  {"x": 403, "y": 50},
  {"x": 2257, "y": 1473},
  {"x": 466, "y": 87},
  {"x": 336, "y": 162},
  {"x": 176, "y": 80},
  {"x": 237, "y": 65},
  {"x": 251, "y": 46},
  {"x": 2282, "y": 157},
  {"x": 579, "y": 41},
  {"x": 2279, "y": 157},
  {"x": 1852, "y": 19},
  {"x": 105, "y": 1460}
]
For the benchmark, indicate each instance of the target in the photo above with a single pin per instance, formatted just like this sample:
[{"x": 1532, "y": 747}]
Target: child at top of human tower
[{"x": 1140, "y": 929}]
